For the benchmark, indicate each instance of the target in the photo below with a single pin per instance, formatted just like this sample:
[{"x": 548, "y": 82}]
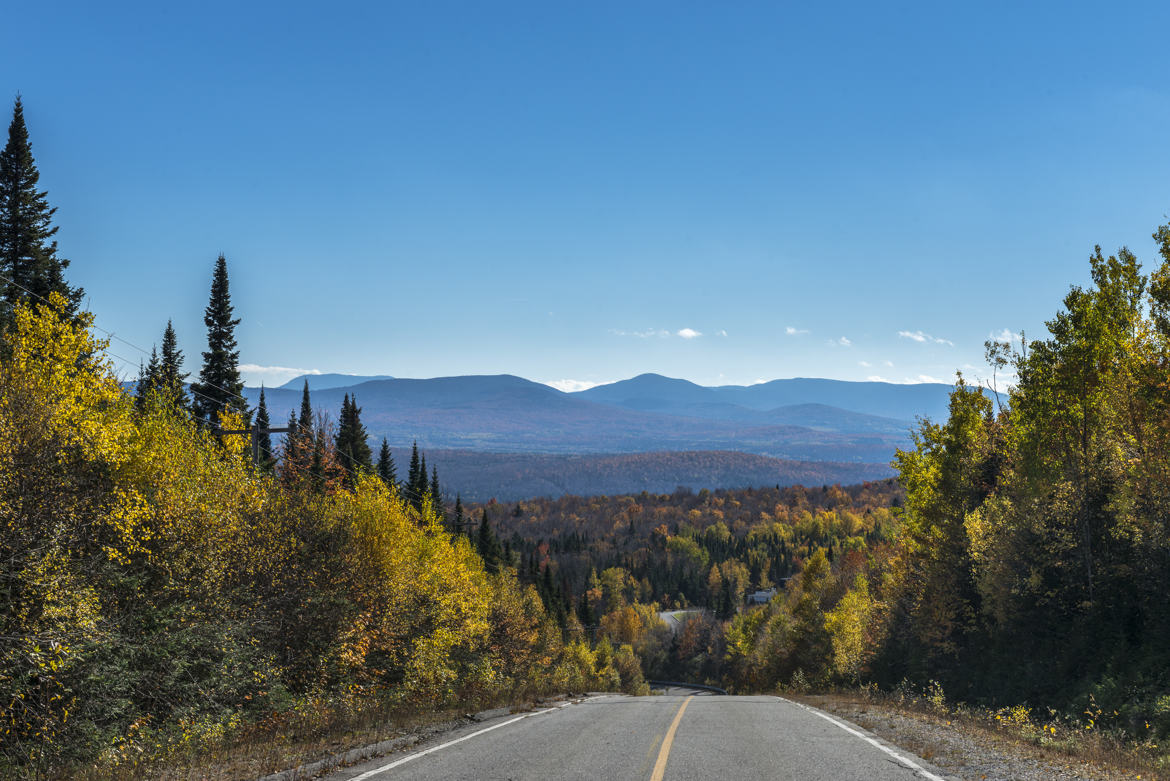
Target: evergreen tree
[
  {"x": 457, "y": 524},
  {"x": 386, "y": 469},
  {"x": 263, "y": 438},
  {"x": 420, "y": 489},
  {"x": 289, "y": 452},
  {"x": 352, "y": 443},
  {"x": 297, "y": 453},
  {"x": 488, "y": 545},
  {"x": 317, "y": 464},
  {"x": 28, "y": 252},
  {"x": 171, "y": 380},
  {"x": 584, "y": 612},
  {"x": 147, "y": 380},
  {"x": 412, "y": 476},
  {"x": 436, "y": 494},
  {"x": 305, "y": 419},
  {"x": 220, "y": 387}
]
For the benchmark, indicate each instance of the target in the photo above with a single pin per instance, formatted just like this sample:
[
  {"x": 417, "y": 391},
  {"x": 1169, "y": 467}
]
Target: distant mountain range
[
  {"x": 655, "y": 393},
  {"x": 324, "y": 381},
  {"x": 507, "y": 414},
  {"x": 797, "y": 419},
  {"x": 509, "y": 437}
]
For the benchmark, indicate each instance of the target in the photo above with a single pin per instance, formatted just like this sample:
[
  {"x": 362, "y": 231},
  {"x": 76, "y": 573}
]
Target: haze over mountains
[{"x": 507, "y": 427}]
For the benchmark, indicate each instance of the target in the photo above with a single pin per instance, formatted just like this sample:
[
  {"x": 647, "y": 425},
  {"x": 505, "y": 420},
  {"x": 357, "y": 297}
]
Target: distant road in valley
[{"x": 679, "y": 736}]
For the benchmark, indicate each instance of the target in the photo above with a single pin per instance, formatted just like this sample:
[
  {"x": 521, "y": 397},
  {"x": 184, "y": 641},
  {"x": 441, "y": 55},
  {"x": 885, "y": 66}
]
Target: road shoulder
[{"x": 958, "y": 750}]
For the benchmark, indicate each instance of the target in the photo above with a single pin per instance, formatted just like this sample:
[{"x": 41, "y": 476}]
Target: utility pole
[{"x": 255, "y": 432}]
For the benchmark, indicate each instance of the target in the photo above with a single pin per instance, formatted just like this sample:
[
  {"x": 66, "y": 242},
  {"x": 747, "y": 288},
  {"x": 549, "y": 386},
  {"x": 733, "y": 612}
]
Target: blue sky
[{"x": 567, "y": 191}]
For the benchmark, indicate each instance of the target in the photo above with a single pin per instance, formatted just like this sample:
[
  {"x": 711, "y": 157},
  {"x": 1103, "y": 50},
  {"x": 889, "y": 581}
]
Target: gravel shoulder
[{"x": 967, "y": 751}]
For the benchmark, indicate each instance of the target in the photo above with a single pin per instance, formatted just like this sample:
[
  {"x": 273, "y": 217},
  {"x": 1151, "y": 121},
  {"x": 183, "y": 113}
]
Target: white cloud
[
  {"x": 689, "y": 333},
  {"x": 866, "y": 364},
  {"x": 1006, "y": 335},
  {"x": 757, "y": 381},
  {"x": 921, "y": 378},
  {"x": 842, "y": 342},
  {"x": 888, "y": 364},
  {"x": 723, "y": 332},
  {"x": 920, "y": 337},
  {"x": 793, "y": 331},
  {"x": 254, "y": 374},
  {"x": 569, "y": 386},
  {"x": 648, "y": 333}
]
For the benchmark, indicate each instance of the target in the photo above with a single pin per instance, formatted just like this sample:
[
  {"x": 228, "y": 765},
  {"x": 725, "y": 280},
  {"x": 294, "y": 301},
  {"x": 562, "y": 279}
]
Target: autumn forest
[{"x": 175, "y": 575}]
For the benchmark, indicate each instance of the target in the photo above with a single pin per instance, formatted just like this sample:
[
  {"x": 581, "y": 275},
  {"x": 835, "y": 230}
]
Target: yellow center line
[{"x": 664, "y": 752}]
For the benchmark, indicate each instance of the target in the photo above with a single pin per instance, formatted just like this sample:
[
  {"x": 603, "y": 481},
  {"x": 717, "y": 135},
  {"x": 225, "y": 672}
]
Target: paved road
[{"x": 673, "y": 737}]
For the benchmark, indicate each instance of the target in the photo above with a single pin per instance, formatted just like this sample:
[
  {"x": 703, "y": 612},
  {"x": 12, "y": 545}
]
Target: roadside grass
[
  {"x": 314, "y": 730},
  {"x": 1043, "y": 733}
]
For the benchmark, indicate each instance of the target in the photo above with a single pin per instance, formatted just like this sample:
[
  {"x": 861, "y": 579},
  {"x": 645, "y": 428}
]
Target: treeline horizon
[
  {"x": 1024, "y": 561},
  {"x": 162, "y": 595}
]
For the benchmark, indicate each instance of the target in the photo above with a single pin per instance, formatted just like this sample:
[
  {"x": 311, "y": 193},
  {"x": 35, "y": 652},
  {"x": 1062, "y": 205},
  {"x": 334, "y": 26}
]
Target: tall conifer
[
  {"x": 28, "y": 252},
  {"x": 412, "y": 476},
  {"x": 488, "y": 545},
  {"x": 421, "y": 489},
  {"x": 220, "y": 387},
  {"x": 436, "y": 494},
  {"x": 352, "y": 441},
  {"x": 147, "y": 380},
  {"x": 386, "y": 469},
  {"x": 263, "y": 438},
  {"x": 171, "y": 379}
]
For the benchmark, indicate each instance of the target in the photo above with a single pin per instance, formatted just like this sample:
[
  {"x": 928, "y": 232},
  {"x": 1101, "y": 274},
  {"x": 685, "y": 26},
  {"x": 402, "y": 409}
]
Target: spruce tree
[
  {"x": 457, "y": 524},
  {"x": 263, "y": 438},
  {"x": 386, "y": 469},
  {"x": 353, "y": 446},
  {"x": 422, "y": 489},
  {"x": 220, "y": 387},
  {"x": 488, "y": 546},
  {"x": 584, "y": 612},
  {"x": 147, "y": 380},
  {"x": 297, "y": 453},
  {"x": 436, "y": 493},
  {"x": 289, "y": 452},
  {"x": 171, "y": 381},
  {"x": 28, "y": 252},
  {"x": 305, "y": 419},
  {"x": 412, "y": 475}
]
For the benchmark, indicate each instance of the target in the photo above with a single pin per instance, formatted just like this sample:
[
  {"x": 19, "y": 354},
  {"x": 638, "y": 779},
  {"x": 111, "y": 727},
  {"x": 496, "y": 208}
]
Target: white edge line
[
  {"x": 432, "y": 749},
  {"x": 904, "y": 760}
]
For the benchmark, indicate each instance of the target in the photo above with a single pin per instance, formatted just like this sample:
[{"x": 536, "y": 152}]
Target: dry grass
[
  {"x": 288, "y": 740},
  {"x": 1018, "y": 730}
]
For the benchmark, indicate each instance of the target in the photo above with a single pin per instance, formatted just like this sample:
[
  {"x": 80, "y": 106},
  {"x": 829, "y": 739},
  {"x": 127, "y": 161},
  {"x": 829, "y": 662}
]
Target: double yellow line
[{"x": 664, "y": 752}]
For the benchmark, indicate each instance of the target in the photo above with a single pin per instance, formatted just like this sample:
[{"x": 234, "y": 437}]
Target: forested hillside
[
  {"x": 607, "y": 565},
  {"x": 508, "y": 477},
  {"x": 166, "y": 590},
  {"x": 1026, "y": 564}
]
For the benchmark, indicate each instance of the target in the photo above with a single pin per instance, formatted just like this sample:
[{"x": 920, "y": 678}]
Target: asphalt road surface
[{"x": 679, "y": 736}]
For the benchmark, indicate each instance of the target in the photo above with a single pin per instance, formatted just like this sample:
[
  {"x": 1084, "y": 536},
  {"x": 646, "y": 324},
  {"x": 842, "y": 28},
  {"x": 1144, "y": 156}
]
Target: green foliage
[
  {"x": 352, "y": 444},
  {"x": 28, "y": 252},
  {"x": 159, "y": 592},
  {"x": 1036, "y": 559},
  {"x": 219, "y": 389},
  {"x": 263, "y": 438},
  {"x": 387, "y": 471}
]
